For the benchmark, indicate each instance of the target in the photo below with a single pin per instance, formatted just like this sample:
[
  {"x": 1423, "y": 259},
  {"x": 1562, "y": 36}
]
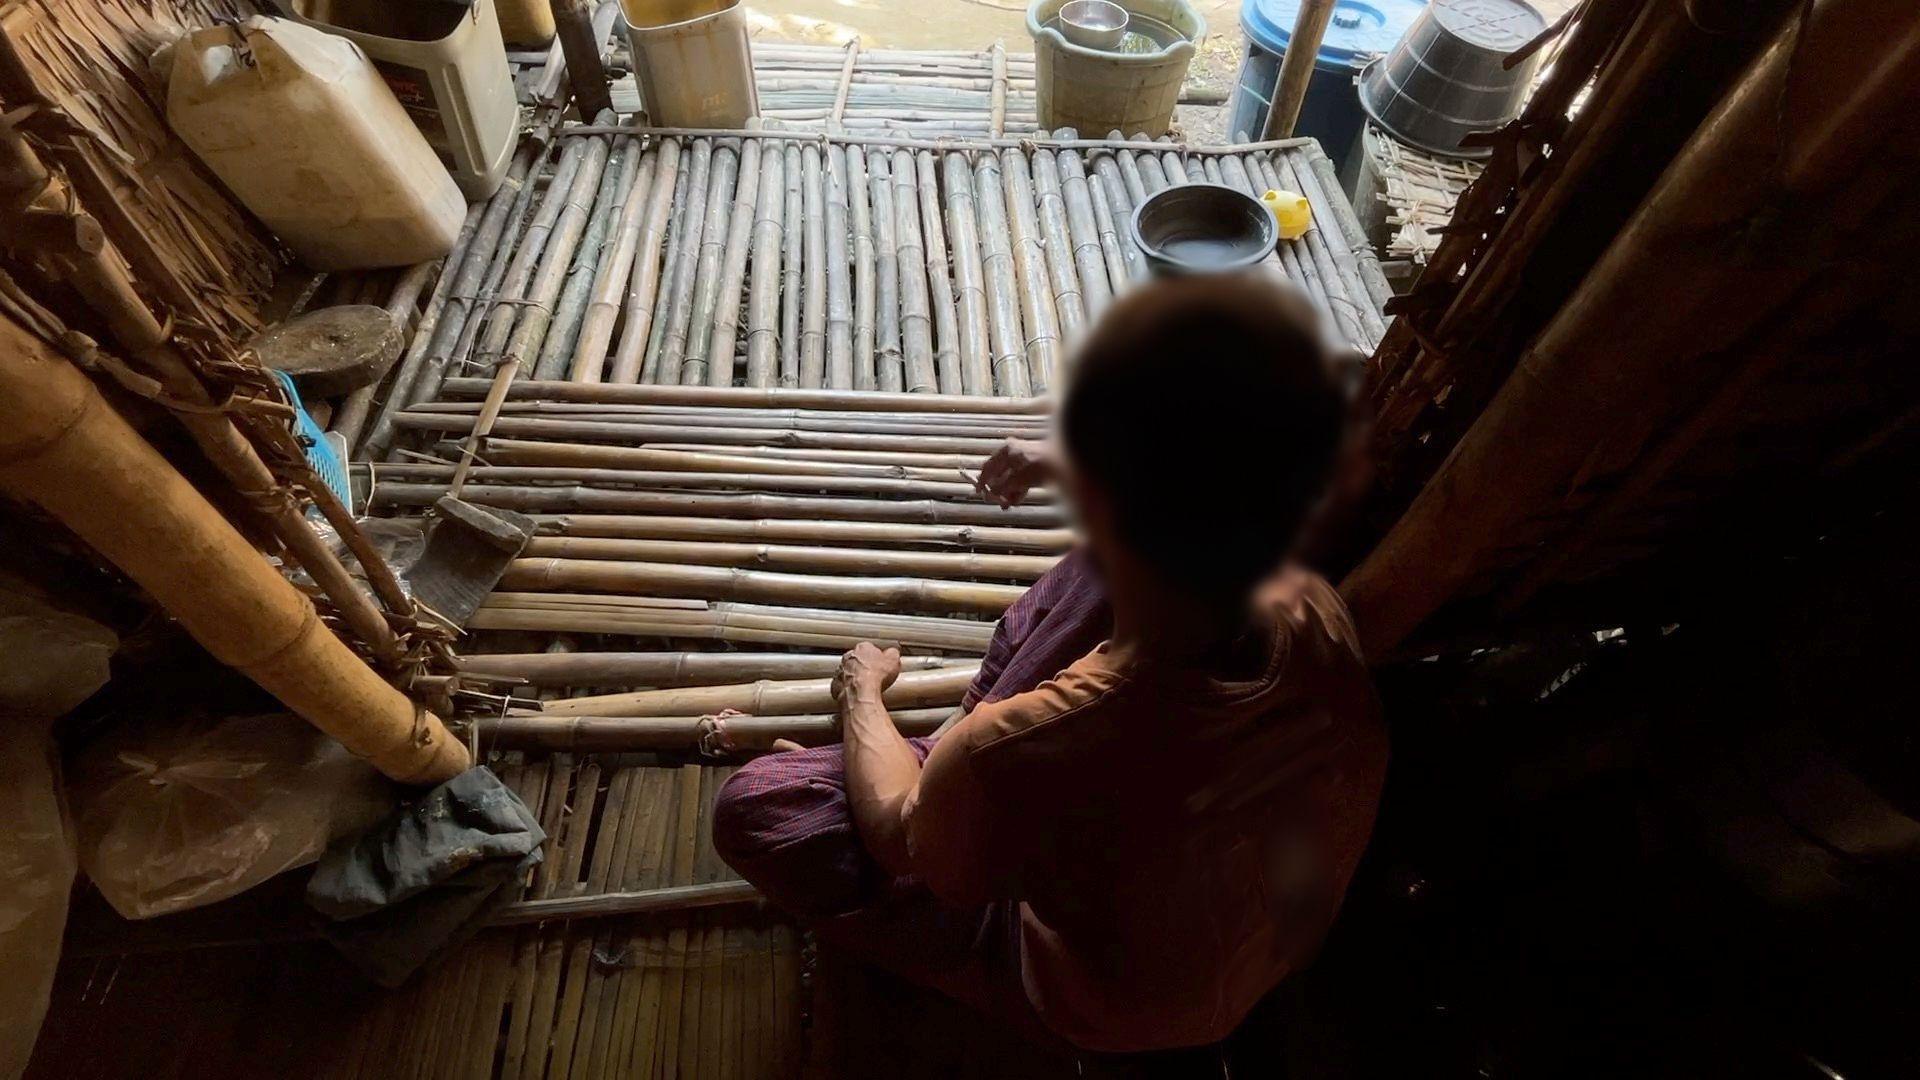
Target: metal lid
[
  {"x": 1359, "y": 31},
  {"x": 1498, "y": 26}
]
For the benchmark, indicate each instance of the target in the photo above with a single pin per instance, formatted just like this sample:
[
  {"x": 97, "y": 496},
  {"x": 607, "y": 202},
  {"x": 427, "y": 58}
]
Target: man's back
[{"x": 1177, "y": 841}]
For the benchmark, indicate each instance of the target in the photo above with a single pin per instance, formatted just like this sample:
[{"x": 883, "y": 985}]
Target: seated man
[{"x": 1125, "y": 849}]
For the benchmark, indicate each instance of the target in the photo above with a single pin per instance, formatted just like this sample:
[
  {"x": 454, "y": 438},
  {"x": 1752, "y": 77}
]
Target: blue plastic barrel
[{"x": 1360, "y": 30}]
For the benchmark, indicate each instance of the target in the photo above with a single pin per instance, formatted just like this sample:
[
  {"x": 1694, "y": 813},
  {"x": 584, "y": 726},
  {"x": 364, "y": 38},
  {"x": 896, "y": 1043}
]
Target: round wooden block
[{"x": 334, "y": 350}]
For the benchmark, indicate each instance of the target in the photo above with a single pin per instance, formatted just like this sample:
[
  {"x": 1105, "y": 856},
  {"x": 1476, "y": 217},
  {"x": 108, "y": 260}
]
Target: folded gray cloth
[{"x": 428, "y": 877}]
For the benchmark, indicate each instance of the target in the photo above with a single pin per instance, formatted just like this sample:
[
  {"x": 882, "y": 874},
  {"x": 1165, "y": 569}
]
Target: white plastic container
[
  {"x": 302, "y": 129},
  {"x": 447, "y": 63},
  {"x": 693, "y": 61}
]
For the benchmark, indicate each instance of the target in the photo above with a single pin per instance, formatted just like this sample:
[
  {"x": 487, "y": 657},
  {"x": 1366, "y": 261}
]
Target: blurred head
[{"x": 1199, "y": 427}]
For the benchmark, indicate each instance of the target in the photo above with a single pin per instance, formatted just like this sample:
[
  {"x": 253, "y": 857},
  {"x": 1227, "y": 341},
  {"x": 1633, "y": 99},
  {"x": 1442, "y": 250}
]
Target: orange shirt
[{"x": 1177, "y": 843}]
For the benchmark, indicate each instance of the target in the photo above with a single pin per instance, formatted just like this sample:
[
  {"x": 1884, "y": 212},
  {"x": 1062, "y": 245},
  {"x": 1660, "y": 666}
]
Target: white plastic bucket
[
  {"x": 694, "y": 66},
  {"x": 447, "y": 64}
]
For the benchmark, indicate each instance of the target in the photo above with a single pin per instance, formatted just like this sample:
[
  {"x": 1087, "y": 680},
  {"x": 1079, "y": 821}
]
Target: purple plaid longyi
[{"x": 784, "y": 821}]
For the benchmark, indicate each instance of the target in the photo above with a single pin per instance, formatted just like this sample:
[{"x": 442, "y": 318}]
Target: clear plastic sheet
[
  {"x": 177, "y": 815},
  {"x": 54, "y": 661}
]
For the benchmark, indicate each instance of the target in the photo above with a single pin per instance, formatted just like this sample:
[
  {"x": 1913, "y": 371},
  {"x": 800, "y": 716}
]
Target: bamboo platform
[
  {"x": 778, "y": 259},
  {"x": 857, "y": 89}
]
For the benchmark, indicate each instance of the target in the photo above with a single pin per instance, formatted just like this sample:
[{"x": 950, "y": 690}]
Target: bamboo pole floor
[
  {"x": 766, "y": 258},
  {"x": 712, "y": 993}
]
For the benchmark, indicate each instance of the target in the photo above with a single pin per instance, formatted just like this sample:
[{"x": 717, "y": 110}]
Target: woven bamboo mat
[
  {"x": 703, "y": 994},
  {"x": 708, "y": 994}
]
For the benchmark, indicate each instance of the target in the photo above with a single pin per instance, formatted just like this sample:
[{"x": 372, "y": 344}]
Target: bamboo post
[
  {"x": 725, "y": 504},
  {"x": 840, "y": 361},
  {"x": 1114, "y": 250},
  {"x": 800, "y": 531},
  {"x": 352, "y": 415},
  {"x": 517, "y": 452},
  {"x": 510, "y": 299},
  {"x": 611, "y": 276},
  {"x": 768, "y": 697},
  {"x": 997, "y": 111},
  {"x": 742, "y": 623},
  {"x": 790, "y": 274},
  {"x": 1312, "y": 249},
  {"x": 1296, "y": 68},
  {"x": 744, "y": 398},
  {"x": 1234, "y": 173},
  {"x": 417, "y": 378},
  {"x": 540, "y": 292},
  {"x": 1146, "y": 162},
  {"x": 1120, "y": 200},
  {"x": 644, "y": 278},
  {"x": 1008, "y": 344},
  {"x": 946, "y": 347},
  {"x": 543, "y": 292},
  {"x": 1057, "y": 250},
  {"x": 760, "y": 586},
  {"x": 677, "y": 233},
  {"x": 654, "y": 669},
  {"x": 710, "y": 168},
  {"x": 813, "y": 311},
  {"x": 573, "y": 22},
  {"x": 970, "y": 296},
  {"x": 711, "y": 736},
  {"x": 865, "y": 375},
  {"x": 741, "y": 224},
  {"x": 1296, "y": 170},
  {"x": 1298, "y": 267},
  {"x": 846, "y": 81},
  {"x": 1320, "y": 174},
  {"x": 886, "y": 350},
  {"x": 916, "y": 318},
  {"x": 1037, "y": 310},
  {"x": 714, "y": 236},
  {"x": 64, "y": 449},
  {"x": 798, "y": 558},
  {"x": 763, "y": 290},
  {"x": 668, "y": 480},
  {"x": 589, "y": 261},
  {"x": 1085, "y": 225}
]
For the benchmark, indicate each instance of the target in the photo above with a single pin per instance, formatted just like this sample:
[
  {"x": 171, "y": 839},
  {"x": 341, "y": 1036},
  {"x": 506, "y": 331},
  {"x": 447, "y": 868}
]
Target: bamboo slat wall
[
  {"x": 195, "y": 252},
  {"x": 891, "y": 262}
]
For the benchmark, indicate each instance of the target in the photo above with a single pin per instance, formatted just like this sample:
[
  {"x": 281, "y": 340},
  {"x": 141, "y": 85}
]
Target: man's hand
[
  {"x": 866, "y": 671},
  {"x": 1019, "y": 466}
]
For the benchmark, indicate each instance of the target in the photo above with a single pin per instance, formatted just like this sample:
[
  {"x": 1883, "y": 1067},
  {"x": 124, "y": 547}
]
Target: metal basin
[
  {"x": 1093, "y": 24},
  {"x": 1203, "y": 229},
  {"x": 1445, "y": 79}
]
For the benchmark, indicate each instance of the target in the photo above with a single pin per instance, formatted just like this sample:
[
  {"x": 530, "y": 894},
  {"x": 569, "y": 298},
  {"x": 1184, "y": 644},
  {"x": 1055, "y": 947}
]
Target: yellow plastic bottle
[{"x": 1290, "y": 209}]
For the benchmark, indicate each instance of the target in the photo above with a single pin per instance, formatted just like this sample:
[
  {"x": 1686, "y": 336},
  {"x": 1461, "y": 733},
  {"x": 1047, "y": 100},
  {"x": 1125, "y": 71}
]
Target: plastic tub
[
  {"x": 1203, "y": 229},
  {"x": 1359, "y": 31},
  {"x": 693, "y": 63},
  {"x": 446, "y": 62},
  {"x": 1096, "y": 91},
  {"x": 1447, "y": 78},
  {"x": 298, "y": 124}
]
